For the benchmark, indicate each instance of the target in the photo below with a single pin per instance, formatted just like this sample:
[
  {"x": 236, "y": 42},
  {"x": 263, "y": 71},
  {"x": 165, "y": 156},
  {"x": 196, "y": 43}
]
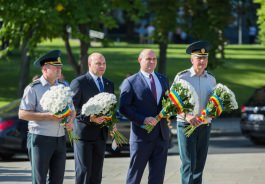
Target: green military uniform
[
  {"x": 193, "y": 150},
  {"x": 46, "y": 139}
]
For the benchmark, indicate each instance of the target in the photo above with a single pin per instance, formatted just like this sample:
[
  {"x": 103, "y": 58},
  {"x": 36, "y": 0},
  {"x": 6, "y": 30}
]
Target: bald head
[
  {"x": 95, "y": 56},
  {"x": 145, "y": 52},
  {"x": 96, "y": 64},
  {"x": 147, "y": 60}
]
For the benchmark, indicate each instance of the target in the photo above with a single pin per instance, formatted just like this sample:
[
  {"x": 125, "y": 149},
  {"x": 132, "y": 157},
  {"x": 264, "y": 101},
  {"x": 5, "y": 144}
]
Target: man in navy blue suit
[
  {"x": 90, "y": 148},
  {"x": 140, "y": 101}
]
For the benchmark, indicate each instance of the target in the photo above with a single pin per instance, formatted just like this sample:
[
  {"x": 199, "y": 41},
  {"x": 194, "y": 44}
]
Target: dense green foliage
[
  {"x": 243, "y": 68},
  {"x": 206, "y": 20},
  {"x": 261, "y": 20}
]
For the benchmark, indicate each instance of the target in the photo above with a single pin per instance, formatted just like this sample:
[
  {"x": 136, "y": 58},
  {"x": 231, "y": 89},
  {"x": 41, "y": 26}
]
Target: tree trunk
[
  {"x": 84, "y": 46},
  {"x": 83, "y": 56},
  {"x": 70, "y": 55},
  {"x": 130, "y": 32},
  {"x": 162, "y": 57},
  {"x": 25, "y": 67}
]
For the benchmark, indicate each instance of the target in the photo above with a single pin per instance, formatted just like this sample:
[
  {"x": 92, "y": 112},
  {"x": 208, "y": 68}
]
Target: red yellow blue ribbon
[
  {"x": 204, "y": 114},
  {"x": 162, "y": 114},
  {"x": 107, "y": 118},
  {"x": 173, "y": 95},
  {"x": 217, "y": 103},
  {"x": 66, "y": 112}
]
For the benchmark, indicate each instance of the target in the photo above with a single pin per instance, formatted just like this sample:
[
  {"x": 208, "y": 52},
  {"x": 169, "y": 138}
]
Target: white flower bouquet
[
  {"x": 104, "y": 104},
  {"x": 56, "y": 101},
  {"x": 182, "y": 98},
  {"x": 222, "y": 99}
]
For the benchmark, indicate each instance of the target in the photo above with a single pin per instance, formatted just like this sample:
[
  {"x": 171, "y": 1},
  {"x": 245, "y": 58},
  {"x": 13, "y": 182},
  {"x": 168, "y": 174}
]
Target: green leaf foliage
[
  {"x": 164, "y": 14},
  {"x": 261, "y": 20},
  {"x": 206, "y": 20},
  {"x": 31, "y": 20}
]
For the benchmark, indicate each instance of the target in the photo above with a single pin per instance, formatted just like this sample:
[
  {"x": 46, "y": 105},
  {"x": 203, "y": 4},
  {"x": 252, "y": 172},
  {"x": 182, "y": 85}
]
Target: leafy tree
[
  {"x": 82, "y": 16},
  {"x": 261, "y": 20},
  {"x": 25, "y": 24},
  {"x": 164, "y": 19},
  {"x": 206, "y": 20},
  {"x": 132, "y": 11}
]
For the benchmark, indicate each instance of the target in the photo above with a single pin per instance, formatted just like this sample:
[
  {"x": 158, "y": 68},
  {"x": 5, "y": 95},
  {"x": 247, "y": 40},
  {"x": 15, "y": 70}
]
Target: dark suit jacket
[
  {"x": 137, "y": 103},
  {"x": 84, "y": 88}
]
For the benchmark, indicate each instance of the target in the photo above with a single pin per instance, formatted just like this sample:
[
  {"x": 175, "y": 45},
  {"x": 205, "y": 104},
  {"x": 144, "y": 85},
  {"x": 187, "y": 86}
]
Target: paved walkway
[
  {"x": 220, "y": 169},
  {"x": 239, "y": 168}
]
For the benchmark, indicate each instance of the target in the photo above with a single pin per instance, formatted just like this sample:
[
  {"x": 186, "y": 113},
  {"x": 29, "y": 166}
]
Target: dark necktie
[
  {"x": 101, "y": 88},
  {"x": 153, "y": 86}
]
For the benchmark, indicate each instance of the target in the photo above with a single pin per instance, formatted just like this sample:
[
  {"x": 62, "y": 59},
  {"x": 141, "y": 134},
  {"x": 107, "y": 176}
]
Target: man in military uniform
[
  {"x": 46, "y": 137},
  {"x": 193, "y": 149}
]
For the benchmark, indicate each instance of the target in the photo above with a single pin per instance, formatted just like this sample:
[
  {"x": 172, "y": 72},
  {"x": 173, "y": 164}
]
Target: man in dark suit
[
  {"x": 140, "y": 101},
  {"x": 90, "y": 148}
]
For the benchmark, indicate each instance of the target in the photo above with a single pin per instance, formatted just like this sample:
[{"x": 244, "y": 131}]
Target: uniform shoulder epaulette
[
  {"x": 35, "y": 83},
  {"x": 210, "y": 73},
  {"x": 182, "y": 72}
]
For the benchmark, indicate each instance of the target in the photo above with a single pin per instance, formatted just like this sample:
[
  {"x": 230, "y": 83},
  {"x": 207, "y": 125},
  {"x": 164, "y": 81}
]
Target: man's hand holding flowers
[
  {"x": 57, "y": 102},
  {"x": 101, "y": 110},
  {"x": 151, "y": 121},
  {"x": 181, "y": 99},
  {"x": 193, "y": 119},
  {"x": 221, "y": 100},
  {"x": 99, "y": 120}
]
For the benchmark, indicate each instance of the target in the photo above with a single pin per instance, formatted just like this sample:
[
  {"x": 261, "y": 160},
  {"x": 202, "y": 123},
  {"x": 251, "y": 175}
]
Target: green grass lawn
[{"x": 243, "y": 69}]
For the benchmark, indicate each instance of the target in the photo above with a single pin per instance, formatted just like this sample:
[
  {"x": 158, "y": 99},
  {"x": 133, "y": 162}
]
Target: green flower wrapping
[
  {"x": 181, "y": 98},
  {"x": 222, "y": 99},
  {"x": 104, "y": 104}
]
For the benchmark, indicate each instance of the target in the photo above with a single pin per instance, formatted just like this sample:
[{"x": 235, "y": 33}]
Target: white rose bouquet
[
  {"x": 104, "y": 104},
  {"x": 222, "y": 99},
  {"x": 56, "y": 101},
  {"x": 182, "y": 98}
]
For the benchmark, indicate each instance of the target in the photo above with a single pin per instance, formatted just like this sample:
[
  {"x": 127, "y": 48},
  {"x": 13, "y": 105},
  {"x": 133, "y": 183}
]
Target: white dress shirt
[
  {"x": 157, "y": 83},
  {"x": 95, "y": 78}
]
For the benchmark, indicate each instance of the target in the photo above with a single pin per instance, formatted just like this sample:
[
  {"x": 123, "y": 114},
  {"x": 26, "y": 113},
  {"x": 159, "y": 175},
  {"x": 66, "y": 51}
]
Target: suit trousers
[
  {"x": 155, "y": 154},
  {"x": 47, "y": 154},
  {"x": 193, "y": 152},
  {"x": 89, "y": 157}
]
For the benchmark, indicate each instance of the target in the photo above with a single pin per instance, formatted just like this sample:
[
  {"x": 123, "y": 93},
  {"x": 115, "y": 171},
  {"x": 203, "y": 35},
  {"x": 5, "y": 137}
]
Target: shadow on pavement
[{"x": 12, "y": 174}]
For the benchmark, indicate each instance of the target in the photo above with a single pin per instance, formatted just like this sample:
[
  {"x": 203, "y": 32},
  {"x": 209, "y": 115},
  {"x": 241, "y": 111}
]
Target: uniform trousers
[
  {"x": 193, "y": 152},
  {"x": 47, "y": 154}
]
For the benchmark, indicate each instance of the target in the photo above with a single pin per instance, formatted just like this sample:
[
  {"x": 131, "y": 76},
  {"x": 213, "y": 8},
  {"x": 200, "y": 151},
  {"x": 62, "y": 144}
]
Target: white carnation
[
  {"x": 234, "y": 104},
  {"x": 56, "y": 99},
  {"x": 99, "y": 104}
]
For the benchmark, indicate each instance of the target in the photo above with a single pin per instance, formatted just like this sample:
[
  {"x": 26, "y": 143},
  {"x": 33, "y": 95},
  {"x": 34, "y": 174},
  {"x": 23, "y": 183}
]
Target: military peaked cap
[
  {"x": 199, "y": 48},
  {"x": 51, "y": 58}
]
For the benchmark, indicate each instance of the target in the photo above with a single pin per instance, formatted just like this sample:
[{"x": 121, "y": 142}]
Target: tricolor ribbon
[
  {"x": 204, "y": 114},
  {"x": 217, "y": 103},
  {"x": 107, "y": 118},
  {"x": 173, "y": 95},
  {"x": 162, "y": 114},
  {"x": 66, "y": 112}
]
